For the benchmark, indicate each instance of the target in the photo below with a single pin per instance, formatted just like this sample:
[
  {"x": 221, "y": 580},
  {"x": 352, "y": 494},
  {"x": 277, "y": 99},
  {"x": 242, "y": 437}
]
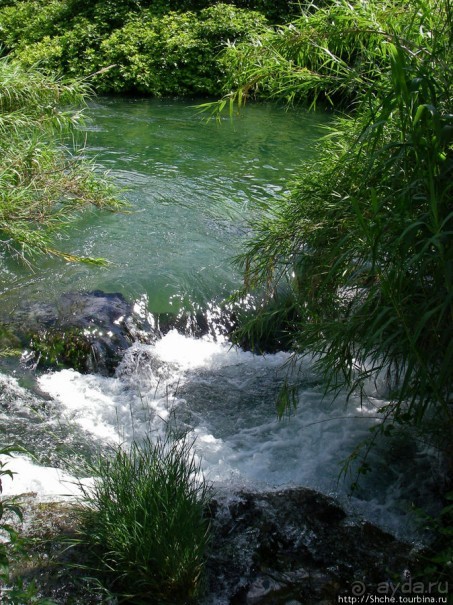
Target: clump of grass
[{"x": 144, "y": 522}]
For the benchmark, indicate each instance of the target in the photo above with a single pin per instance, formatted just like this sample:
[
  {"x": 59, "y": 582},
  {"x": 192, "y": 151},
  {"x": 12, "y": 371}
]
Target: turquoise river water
[{"x": 194, "y": 190}]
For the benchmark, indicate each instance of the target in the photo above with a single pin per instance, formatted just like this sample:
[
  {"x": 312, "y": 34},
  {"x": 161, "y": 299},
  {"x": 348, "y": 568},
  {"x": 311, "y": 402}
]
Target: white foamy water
[
  {"x": 223, "y": 398},
  {"x": 48, "y": 483}
]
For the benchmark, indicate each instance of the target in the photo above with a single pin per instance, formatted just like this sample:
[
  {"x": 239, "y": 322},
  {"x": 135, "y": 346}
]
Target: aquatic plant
[
  {"x": 62, "y": 348},
  {"x": 144, "y": 522}
]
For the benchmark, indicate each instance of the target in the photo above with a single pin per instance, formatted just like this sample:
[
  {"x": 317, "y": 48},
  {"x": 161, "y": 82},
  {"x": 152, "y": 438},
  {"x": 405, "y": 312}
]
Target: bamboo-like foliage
[
  {"x": 42, "y": 186},
  {"x": 364, "y": 241},
  {"x": 331, "y": 54}
]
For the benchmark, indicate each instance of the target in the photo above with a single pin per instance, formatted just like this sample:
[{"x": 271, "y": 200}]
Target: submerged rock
[
  {"x": 86, "y": 331},
  {"x": 90, "y": 331},
  {"x": 295, "y": 546}
]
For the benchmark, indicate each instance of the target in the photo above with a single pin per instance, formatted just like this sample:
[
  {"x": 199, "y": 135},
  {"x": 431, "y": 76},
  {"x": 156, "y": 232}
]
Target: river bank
[{"x": 267, "y": 548}]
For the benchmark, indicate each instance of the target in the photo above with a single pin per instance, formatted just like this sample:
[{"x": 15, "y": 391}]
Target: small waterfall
[{"x": 224, "y": 398}]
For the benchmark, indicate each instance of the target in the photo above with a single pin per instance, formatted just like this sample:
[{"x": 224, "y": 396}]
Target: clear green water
[{"x": 194, "y": 187}]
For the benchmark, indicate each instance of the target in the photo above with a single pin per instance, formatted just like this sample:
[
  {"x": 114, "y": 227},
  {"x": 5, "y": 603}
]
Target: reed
[
  {"x": 43, "y": 185},
  {"x": 144, "y": 522},
  {"x": 364, "y": 239}
]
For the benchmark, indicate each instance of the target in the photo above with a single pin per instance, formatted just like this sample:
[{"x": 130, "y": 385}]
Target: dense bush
[
  {"x": 29, "y": 22},
  {"x": 39, "y": 15},
  {"x": 158, "y": 47},
  {"x": 364, "y": 241},
  {"x": 277, "y": 11},
  {"x": 144, "y": 522},
  {"x": 175, "y": 54},
  {"x": 171, "y": 54}
]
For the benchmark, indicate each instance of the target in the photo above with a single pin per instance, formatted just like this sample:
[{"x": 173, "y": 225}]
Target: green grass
[
  {"x": 145, "y": 523},
  {"x": 42, "y": 186}
]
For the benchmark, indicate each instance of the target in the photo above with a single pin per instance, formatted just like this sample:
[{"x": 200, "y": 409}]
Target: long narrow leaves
[
  {"x": 364, "y": 241},
  {"x": 144, "y": 521},
  {"x": 42, "y": 186}
]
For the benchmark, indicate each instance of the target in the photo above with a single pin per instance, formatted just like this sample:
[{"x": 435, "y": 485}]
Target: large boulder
[
  {"x": 87, "y": 331},
  {"x": 296, "y": 546}
]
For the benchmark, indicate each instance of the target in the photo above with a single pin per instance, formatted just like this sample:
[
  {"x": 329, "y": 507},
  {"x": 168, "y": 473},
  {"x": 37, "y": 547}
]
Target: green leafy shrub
[
  {"x": 365, "y": 238},
  {"x": 175, "y": 54},
  {"x": 275, "y": 10},
  {"x": 47, "y": 53},
  {"x": 144, "y": 522},
  {"x": 153, "y": 52},
  {"x": 75, "y": 52},
  {"x": 29, "y": 22}
]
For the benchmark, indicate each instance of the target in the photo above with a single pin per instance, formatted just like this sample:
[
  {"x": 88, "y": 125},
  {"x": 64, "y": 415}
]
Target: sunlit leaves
[
  {"x": 42, "y": 187},
  {"x": 364, "y": 241}
]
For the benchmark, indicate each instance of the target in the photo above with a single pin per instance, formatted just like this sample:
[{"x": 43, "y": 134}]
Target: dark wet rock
[
  {"x": 288, "y": 547},
  {"x": 90, "y": 331},
  {"x": 86, "y": 331},
  {"x": 211, "y": 322},
  {"x": 295, "y": 546}
]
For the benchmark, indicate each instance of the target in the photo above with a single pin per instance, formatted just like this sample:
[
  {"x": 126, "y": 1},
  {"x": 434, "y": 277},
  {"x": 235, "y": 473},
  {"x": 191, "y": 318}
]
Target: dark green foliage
[
  {"x": 437, "y": 560},
  {"x": 159, "y": 48},
  {"x": 9, "y": 342},
  {"x": 113, "y": 13},
  {"x": 175, "y": 54},
  {"x": 276, "y": 11},
  {"x": 271, "y": 329},
  {"x": 365, "y": 238},
  {"x": 144, "y": 521}
]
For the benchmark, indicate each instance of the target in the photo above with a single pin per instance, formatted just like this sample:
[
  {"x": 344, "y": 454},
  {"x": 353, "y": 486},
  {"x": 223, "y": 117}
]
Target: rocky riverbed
[
  {"x": 291, "y": 546},
  {"x": 288, "y": 547}
]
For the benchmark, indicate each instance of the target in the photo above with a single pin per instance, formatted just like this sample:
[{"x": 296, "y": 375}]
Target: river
[{"x": 194, "y": 189}]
